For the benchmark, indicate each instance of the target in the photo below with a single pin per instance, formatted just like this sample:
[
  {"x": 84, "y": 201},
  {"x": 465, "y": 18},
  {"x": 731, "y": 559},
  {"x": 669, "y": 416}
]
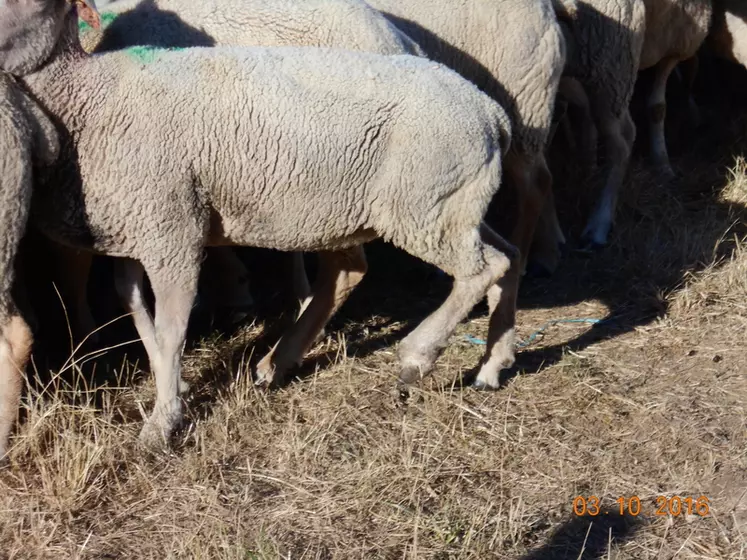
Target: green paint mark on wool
[
  {"x": 146, "y": 54},
  {"x": 106, "y": 19}
]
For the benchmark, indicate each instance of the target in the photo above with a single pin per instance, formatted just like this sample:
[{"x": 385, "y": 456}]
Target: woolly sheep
[
  {"x": 27, "y": 137},
  {"x": 514, "y": 51},
  {"x": 605, "y": 41},
  {"x": 297, "y": 149},
  {"x": 350, "y": 24},
  {"x": 613, "y": 40}
]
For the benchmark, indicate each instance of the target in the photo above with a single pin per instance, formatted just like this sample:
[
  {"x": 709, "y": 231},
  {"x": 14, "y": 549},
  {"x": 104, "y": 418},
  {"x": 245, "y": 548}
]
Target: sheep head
[{"x": 31, "y": 29}]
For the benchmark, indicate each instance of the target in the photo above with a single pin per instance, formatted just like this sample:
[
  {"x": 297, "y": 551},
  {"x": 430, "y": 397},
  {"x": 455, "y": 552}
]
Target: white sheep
[
  {"x": 27, "y": 137},
  {"x": 605, "y": 43},
  {"x": 612, "y": 41},
  {"x": 514, "y": 51},
  {"x": 350, "y": 24},
  {"x": 297, "y": 149},
  {"x": 675, "y": 30}
]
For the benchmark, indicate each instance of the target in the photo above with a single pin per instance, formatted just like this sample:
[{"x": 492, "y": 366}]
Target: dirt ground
[{"x": 340, "y": 464}]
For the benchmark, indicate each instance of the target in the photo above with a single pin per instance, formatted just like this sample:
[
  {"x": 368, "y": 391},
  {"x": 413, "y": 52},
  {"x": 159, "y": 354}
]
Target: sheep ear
[{"x": 88, "y": 12}]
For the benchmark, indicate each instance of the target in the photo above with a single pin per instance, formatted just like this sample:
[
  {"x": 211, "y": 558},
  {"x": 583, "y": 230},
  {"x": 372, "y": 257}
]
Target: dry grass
[{"x": 340, "y": 465}]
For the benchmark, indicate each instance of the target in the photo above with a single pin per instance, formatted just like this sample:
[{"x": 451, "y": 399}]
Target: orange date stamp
[{"x": 663, "y": 505}]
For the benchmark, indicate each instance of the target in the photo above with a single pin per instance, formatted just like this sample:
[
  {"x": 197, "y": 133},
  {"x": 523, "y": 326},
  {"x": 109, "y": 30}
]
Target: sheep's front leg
[
  {"x": 175, "y": 292},
  {"x": 339, "y": 273},
  {"x": 618, "y": 134},
  {"x": 533, "y": 183},
  {"x": 657, "y": 112},
  {"x": 15, "y": 347},
  {"x": 301, "y": 288}
]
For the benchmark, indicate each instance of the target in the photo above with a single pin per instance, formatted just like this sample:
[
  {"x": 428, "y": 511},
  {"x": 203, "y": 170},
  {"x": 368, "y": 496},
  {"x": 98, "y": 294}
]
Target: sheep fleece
[
  {"x": 514, "y": 50},
  {"x": 351, "y": 24},
  {"x": 26, "y": 136},
  {"x": 288, "y": 148}
]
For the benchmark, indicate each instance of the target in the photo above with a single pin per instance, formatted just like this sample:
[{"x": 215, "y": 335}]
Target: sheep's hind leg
[
  {"x": 657, "y": 111},
  {"x": 580, "y": 111},
  {"x": 420, "y": 349},
  {"x": 15, "y": 347},
  {"x": 128, "y": 279},
  {"x": 339, "y": 273},
  {"x": 502, "y": 297},
  {"x": 301, "y": 287},
  {"x": 532, "y": 180},
  {"x": 175, "y": 292},
  {"x": 618, "y": 134}
]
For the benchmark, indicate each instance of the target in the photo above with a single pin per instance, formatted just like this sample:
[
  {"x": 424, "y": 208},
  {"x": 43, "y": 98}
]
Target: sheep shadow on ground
[{"x": 586, "y": 537}]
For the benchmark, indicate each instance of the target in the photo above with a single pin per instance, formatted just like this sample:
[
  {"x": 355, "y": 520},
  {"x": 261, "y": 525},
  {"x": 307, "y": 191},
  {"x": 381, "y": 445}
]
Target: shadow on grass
[{"x": 586, "y": 538}]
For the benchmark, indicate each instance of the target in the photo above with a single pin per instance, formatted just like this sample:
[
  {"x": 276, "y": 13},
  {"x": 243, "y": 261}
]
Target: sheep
[
  {"x": 27, "y": 137},
  {"x": 728, "y": 33},
  {"x": 513, "y": 50},
  {"x": 297, "y": 149},
  {"x": 350, "y": 24},
  {"x": 612, "y": 41},
  {"x": 675, "y": 30},
  {"x": 606, "y": 40}
]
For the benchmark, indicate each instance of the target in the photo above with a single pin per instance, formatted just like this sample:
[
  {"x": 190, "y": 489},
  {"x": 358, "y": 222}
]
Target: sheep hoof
[
  {"x": 157, "y": 430},
  {"x": 665, "y": 174},
  {"x": 320, "y": 337},
  {"x": 591, "y": 246},
  {"x": 267, "y": 374},
  {"x": 479, "y": 385},
  {"x": 410, "y": 374},
  {"x": 593, "y": 241},
  {"x": 152, "y": 437}
]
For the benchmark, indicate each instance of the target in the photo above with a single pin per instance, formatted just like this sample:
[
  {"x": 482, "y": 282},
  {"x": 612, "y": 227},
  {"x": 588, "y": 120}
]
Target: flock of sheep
[{"x": 316, "y": 126}]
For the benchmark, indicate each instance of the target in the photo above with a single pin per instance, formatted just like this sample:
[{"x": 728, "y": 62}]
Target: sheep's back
[
  {"x": 674, "y": 28},
  {"x": 513, "y": 50},
  {"x": 285, "y": 140},
  {"x": 350, "y": 24}
]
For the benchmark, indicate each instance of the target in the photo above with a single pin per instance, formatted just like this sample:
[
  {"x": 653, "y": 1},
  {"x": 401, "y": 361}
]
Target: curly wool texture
[
  {"x": 607, "y": 41},
  {"x": 286, "y": 148},
  {"x": 513, "y": 50},
  {"x": 26, "y": 137},
  {"x": 674, "y": 29},
  {"x": 350, "y": 24}
]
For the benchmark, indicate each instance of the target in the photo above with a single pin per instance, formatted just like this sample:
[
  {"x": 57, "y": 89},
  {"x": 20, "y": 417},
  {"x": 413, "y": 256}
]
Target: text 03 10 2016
[{"x": 633, "y": 505}]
